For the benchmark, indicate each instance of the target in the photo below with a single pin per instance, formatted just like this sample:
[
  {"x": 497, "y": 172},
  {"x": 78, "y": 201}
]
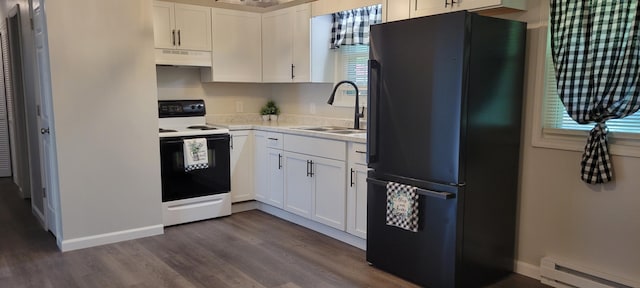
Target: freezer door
[
  {"x": 426, "y": 257},
  {"x": 416, "y": 87}
]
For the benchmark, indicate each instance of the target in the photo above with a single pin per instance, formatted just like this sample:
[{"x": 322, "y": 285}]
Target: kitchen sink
[
  {"x": 335, "y": 130},
  {"x": 350, "y": 131}
]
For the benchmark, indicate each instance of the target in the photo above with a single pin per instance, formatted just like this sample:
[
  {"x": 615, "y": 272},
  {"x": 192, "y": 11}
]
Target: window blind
[
  {"x": 555, "y": 115},
  {"x": 354, "y": 67}
]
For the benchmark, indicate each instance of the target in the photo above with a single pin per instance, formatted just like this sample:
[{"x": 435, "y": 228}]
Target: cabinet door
[
  {"x": 241, "y": 166},
  {"x": 357, "y": 201},
  {"x": 237, "y": 46},
  {"x": 275, "y": 177},
  {"x": 488, "y": 4},
  {"x": 163, "y": 24},
  {"x": 397, "y": 10},
  {"x": 429, "y": 7},
  {"x": 298, "y": 183},
  {"x": 301, "y": 43},
  {"x": 329, "y": 192},
  {"x": 193, "y": 27},
  {"x": 277, "y": 48},
  {"x": 260, "y": 165}
]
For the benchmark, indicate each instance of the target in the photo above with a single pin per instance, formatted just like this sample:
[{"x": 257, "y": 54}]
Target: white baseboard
[
  {"x": 108, "y": 238},
  {"x": 526, "y": 269},
  {"x": 313, "y": 225},
  {"x": 244, "y": 206}
]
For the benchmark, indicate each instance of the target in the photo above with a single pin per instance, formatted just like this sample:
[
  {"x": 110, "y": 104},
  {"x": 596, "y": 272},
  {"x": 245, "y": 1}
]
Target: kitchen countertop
[{"x": 290, "y": 128}]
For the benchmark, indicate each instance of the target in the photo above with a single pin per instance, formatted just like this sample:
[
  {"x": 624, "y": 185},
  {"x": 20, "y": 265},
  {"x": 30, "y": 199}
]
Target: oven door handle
[{"x": 182, "y": 140}]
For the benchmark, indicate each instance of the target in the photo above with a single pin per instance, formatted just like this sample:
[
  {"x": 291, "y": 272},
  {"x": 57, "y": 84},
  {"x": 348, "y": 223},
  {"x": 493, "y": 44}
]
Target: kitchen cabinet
[
  {"x": 315, "y": 185},
  {"x": 242, "y": 163},
  {"x": 357, "y": 190},
  {"x": 269, "y": 168},
  {"x": 237, "y": 47},
  {"x": 181, "y": 26},
  {"x": 395, "y": 10},
  {"x": 292, "y": 50},
  {"x": 430, "y": 7}
]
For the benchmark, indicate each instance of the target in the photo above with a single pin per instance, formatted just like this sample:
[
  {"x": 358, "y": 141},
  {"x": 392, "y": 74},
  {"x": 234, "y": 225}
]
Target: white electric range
[{"x": 198, "y": 194}]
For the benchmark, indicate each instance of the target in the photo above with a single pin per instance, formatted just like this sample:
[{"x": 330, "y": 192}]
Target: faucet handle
[{"x": 361, "y": 114}]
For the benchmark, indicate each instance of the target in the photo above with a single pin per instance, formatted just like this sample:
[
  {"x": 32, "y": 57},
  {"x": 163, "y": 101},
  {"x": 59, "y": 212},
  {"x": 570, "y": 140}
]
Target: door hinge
[{"x": 44, "y": 192}]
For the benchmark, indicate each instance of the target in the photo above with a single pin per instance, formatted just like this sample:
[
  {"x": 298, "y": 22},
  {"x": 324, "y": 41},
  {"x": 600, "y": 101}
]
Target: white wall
[
  {"x": 597, "y": 226},
  {"x": 104, "y": 100},
  {"x": 221, "y": 98}
]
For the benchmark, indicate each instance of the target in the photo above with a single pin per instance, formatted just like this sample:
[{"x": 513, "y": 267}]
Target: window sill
[{"x": 620, "y": 144}]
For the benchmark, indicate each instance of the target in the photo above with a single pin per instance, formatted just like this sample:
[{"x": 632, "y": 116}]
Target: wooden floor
[{"x": 249, "y": 249}]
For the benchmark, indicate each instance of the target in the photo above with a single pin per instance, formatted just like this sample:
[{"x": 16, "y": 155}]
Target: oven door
[{"x": 178, "y": 184}]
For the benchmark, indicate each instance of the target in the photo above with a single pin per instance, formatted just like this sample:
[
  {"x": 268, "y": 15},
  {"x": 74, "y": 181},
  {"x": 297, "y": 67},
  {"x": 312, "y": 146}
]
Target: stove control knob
[
  {"x": 200, "y": 106},
  {"x": 193, "y": 107}
]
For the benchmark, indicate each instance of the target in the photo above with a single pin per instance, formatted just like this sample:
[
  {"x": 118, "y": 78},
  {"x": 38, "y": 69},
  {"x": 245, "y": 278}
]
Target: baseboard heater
[{"x": 563, "y": 274}]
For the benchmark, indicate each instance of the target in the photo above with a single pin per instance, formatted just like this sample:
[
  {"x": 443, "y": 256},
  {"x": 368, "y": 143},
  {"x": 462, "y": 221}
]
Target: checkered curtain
[
  {"x": 595, "y": 48},
  {"x": 351, "y": 27}
]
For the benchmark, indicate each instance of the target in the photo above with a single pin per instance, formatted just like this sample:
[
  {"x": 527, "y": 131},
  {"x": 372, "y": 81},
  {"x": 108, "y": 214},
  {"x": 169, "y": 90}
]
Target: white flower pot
[
  {"x": 265, "y": 117},
  {"x": 274, "y": 117}
]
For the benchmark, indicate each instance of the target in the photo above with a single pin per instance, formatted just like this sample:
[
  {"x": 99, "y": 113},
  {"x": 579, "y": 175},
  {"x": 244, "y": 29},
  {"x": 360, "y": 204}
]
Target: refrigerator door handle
[
  {"x": 420, "y": 191},
  {"x": 374, "y": 95}
]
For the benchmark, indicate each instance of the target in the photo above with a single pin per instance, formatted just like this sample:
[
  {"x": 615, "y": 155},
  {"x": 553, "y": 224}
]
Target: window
[
  {"x": 554, "y": 128},
  {"x": 352, "y": 65},
  {"x": 556, "y": 116}
]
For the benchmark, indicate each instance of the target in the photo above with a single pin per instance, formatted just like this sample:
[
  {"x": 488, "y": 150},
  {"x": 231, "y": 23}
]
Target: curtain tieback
[{"x": 596, "y": 163}]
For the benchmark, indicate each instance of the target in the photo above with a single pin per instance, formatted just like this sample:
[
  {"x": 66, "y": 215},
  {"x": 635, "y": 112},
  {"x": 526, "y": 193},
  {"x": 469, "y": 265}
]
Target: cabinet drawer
[
  {"x": 275, "y": 140},
  {"x": 358, "y": 153},
  {"x": 326, "y": 148}
]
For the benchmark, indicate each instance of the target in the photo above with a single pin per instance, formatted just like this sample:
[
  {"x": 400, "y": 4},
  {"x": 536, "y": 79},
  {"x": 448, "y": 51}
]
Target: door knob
[{"x": 44, "y": 131}]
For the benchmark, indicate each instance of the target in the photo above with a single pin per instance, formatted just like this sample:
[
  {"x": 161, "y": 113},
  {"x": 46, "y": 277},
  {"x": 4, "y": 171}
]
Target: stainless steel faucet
[{"x": 358, "y": 114}]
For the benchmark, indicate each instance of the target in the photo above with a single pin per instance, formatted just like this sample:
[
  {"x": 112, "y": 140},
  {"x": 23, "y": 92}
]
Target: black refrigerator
[{"x": 445, "y": 114}]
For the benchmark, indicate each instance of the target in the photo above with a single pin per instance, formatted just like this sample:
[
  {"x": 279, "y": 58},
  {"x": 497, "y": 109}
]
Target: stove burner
[
  {"x": 166, "y": 130},
  {"x": 202, "y": 127}
]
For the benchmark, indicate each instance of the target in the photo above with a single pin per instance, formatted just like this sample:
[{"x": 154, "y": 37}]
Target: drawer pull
[
  {"x": 274, "y": 139},
  {"x": 361, "y": 152}
]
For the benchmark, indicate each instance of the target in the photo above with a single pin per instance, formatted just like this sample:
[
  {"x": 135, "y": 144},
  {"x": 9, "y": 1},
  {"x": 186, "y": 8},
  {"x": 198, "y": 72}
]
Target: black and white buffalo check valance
[
  {"x": 351, "y": 27},
  {"x": 595, "y": 49}
]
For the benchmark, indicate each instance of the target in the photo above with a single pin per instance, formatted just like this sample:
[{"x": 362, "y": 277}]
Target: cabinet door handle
[
  {"x": 292, "y": 76},
  {"x": 307, "y": 168},
  {"x": 173, "y": 37},
  {"x": 231, "y": 142},
  {"x": 311, "y": 168},
  {"x": 279, "y": 161},
  {"x": 179, "y": 38},
  {"x": 351, "y": 182}
]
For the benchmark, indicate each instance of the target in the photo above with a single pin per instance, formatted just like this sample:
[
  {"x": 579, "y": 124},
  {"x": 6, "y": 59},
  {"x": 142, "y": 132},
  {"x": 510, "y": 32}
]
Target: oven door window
[{"x": 178, "y": 184}]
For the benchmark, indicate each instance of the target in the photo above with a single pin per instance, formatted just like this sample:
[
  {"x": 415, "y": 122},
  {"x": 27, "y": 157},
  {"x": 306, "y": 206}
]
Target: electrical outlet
[
  {"x": 312, "y": 108},
  {"x": 239, "y": 107}
]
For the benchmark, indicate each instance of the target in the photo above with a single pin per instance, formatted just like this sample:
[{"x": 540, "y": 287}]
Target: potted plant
[{"x": 270, "y": 111}]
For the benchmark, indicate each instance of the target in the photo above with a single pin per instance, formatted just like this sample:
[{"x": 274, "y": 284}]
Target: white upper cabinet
[
  {"x": 237, "y": 43},
  {"x": 181, "y": 26},
  {"x": 277, "y": 46},
  {"x": 430, "y": 7},
  {"x": 286, "y": 45},
  {"x": 395, "y": 10}
]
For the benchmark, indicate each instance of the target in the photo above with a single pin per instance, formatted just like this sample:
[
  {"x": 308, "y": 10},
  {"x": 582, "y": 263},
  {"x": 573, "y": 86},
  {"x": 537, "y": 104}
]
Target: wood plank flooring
[{"x": 248, "y": 249}]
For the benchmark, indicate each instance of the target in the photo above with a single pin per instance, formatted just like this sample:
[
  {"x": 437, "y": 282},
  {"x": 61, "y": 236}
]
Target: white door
[
  {"x": 47, "y": 136},
  {"x": 260, "y": 165},
  {"x": 237, "y": 46},
  {"x": 275, "y": 177},
  {"x": 193, "y": 27},
  {"x": 301, "y": 43},
  {"x": 396, "y": 10},
  {"x": 164, "y": 25},
  {"x": 298, "y": 183},
  {"x": 357, "y": 201},
  {"x": 329, "y": 192},
  {"x": 430, "y": 7},
  {"x": 241, "y": 166},
  {"x": 277, "y": 44}
]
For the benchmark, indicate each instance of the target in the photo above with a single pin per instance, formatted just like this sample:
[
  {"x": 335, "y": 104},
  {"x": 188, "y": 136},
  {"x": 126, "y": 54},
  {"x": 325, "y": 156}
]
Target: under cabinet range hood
[{"x": 177, "y": 57}]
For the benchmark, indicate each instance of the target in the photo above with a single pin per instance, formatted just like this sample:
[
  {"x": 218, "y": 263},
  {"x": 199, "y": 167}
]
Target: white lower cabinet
[
  {"x": 357, "y": 190},
  {"x": 315, "y": 188},
  {"x": 242, "y": 161},
  {"x": 260, "y": 165},
  {"x": 275, "y": 177}
]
